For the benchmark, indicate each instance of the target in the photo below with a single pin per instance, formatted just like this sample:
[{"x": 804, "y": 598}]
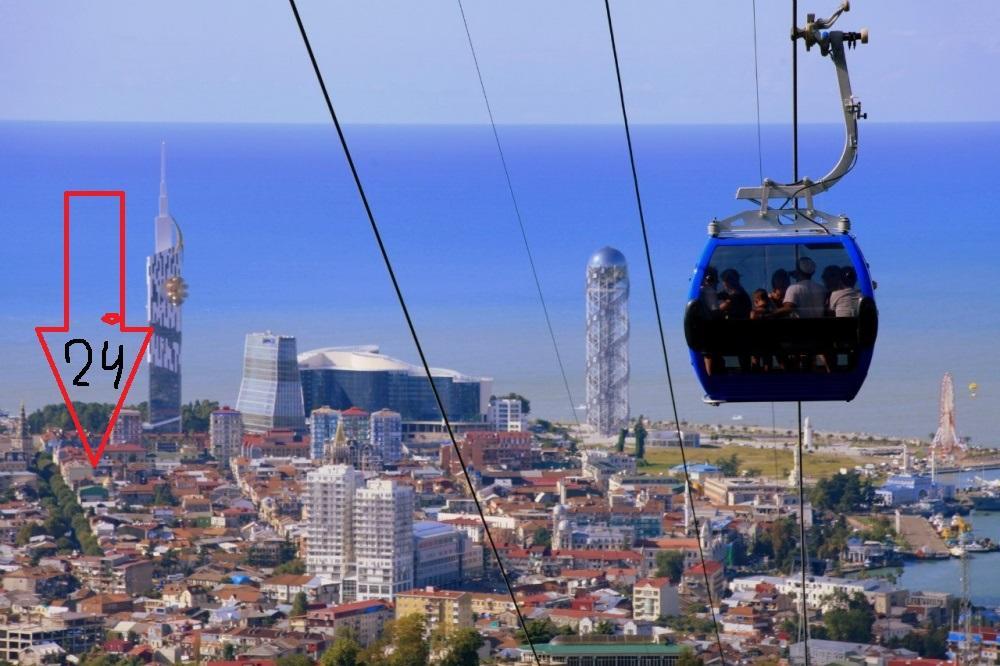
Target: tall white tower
[{"x": 607, "y": 341}]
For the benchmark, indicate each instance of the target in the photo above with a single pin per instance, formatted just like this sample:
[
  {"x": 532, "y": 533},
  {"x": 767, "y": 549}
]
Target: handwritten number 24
[{"x": 117, "y": 365}]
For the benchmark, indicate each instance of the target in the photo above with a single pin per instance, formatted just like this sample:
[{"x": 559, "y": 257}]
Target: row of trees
[
  {"x": 406, "y": 639},
  {"x": 94, "y": 416},
  {"x": 640, "y": 434},
  {"x": 65, "y": 521}
]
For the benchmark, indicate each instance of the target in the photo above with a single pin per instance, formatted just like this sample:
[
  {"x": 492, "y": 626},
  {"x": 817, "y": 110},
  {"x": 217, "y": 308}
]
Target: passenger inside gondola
[{"x": 770, "y": 331}]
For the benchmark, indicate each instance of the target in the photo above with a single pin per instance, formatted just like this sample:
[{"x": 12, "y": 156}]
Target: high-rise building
[
  {"x": 225, "y": 432},
  {"x": 344, "y": 377},
  {"x": 506, "y": 415},
  {"x": 329, "y": 511},
  {"x": 271, "y": 390},
  {"x": 128, "y": 427},
  {"x": 359, "y": 535},
  {"x": 166, "y": 291},
  {"x": 607, "y": 341},
  {"x": 386, "y": 427},
  {"x": 383, "y": 539},
  {"x": 322, "y": 427}
]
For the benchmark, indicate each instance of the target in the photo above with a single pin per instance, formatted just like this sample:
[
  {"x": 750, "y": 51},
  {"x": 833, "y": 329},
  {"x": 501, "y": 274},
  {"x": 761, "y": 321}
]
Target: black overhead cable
[
  {"x": 520, "y": 221},
  {"x": 804, "y": 624},
  {"x": 409, "y": 320},
  {"x": 659, "y": 323},
  {"x": 756, "y": 84}
]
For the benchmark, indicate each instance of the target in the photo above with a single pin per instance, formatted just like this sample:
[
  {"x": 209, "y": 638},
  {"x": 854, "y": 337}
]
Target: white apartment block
[
  {"x": 653, "y": 598},
  {"x": 225, "y": 428},
  {"x": 383, "y": 539},
  {"x": 820, "y": 590},
  {"x": 329, "y": 509},
  {"x": 360, "y": 535},
  {"x": 505, "y": 415}
]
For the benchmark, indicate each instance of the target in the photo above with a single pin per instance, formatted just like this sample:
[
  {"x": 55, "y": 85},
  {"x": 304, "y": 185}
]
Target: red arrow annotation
[{"x": 109, "y": 318}]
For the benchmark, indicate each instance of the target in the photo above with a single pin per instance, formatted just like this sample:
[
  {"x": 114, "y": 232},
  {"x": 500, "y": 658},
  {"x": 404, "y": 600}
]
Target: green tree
[
  {"x": 463, "y": 648},
  {"x": 228, "y": 652},
  {"x": 729, "y": 466},
  {"x": 343, "y": 652},
  {"x": 410, "y": 648},
  {"x": 620, "y": 445},
  {"x": 640, "y": 439},
  {"x": 542, "y": 537},
  {"x": 851, "y": 620},
  {"x": 27, "y": 531},
  {"x": 604, "y": 628},
  {"x": 162, "y": 496},
  {"x": 296, "y": 566},
  {"x": 195, "y": 415},
  {"x": 299, "y": 604},
  {"x": 295, "y": 660},
  {"x": 542, "y": 631},
  {"x": 670, "y": 564},
  {"x": 689, "y": 658}
]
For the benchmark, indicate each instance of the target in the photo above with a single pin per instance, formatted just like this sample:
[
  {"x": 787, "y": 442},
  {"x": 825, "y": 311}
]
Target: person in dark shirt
[{"x": 734, "y": 302}]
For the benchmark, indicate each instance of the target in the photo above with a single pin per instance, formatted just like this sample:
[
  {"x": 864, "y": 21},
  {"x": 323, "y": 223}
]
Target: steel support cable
[
  {"x": 409, "y": 320},
  {"x": 801, "y": 480},
  {"x": 756, "y": 84},
  {"x": 659, "y": 323},
  {"x": 517, "y": 214},
  {"x": 803, "y": 552}
]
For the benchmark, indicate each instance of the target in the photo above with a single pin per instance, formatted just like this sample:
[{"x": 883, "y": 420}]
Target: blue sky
[{"x": 391, "y": 61}]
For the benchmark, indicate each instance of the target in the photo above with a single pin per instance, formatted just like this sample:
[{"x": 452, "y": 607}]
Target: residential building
[
  {"x": 653, "y": 598},
  {"x": 76, "y": 633},
  {"x": 367, "y": 619},
  {"x": 693, "y": 581},
  {"x": 443, "y": 554},
  {"x": 271, "y": 390},
  {"x": 441, "y": 609},
  {"x": 358, "y": 534},
  {"x": 355, "y": 424},
  {"x": 482, "y": 450},
  {"x": 386, "y": 428},
  {"x": 329, "y": 511},
  {"x": 128, "y": 427},
  {"x": 323, "y": 422},
  {"x": 383, "y": 539},
  {"x": 225, "y": 430},
  {"x": 821, "y": 590},
  {"x": 344, "y": 377},
  {"x": 506, "y": 415}
]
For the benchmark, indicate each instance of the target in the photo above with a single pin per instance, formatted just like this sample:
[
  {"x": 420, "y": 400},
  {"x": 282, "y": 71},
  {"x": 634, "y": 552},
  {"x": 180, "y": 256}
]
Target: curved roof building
[{"x": 343, "y": 377}]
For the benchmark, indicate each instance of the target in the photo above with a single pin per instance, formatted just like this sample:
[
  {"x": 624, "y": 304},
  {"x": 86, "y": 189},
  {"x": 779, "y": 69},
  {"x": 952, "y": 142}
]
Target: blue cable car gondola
[{"x": 782, "y": 305}]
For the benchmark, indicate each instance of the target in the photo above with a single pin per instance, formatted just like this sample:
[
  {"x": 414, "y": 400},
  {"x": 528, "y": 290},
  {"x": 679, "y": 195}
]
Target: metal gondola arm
[{"x": 833, "y": 43}]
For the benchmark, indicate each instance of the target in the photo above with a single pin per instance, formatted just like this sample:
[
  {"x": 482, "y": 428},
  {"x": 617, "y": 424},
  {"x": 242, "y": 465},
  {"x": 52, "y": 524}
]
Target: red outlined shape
[{"x": 109, "y": 318}]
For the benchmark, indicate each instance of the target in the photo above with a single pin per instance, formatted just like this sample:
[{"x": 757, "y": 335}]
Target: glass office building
[
  {"x": 271, "y": 390},
  {"x": 344, "y": 377}
]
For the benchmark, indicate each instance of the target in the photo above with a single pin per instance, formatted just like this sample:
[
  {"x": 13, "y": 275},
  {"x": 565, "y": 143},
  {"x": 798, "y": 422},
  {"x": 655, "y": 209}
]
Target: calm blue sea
[{"x": 276, "y": 239}]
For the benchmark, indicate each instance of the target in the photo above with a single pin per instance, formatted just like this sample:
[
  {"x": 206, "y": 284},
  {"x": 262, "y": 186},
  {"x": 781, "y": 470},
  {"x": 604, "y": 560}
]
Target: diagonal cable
[
  {"x": 659, "y": 324},
  {"x": 520, "y": 221},
  {"x": 409, "y": 320}
]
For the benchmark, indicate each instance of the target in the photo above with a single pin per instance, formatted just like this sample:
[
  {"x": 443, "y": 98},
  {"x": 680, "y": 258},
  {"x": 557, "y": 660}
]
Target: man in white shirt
[{"x": 805, "y": 299}]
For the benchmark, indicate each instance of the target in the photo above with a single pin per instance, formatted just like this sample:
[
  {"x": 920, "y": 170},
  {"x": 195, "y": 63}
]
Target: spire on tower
[
  {"x": 22, "y": 426},
  {"x": 164, "y": 211}
]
